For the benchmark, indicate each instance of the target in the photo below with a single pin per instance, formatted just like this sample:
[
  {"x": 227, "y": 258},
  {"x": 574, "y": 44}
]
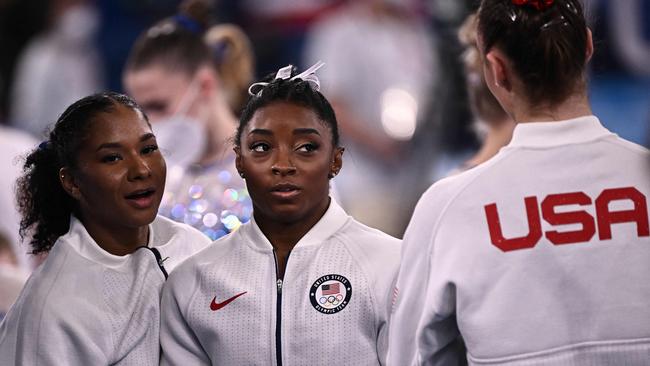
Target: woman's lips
[
  {"x": 141, "y": 199},
  {"x": 285, "y": 191}
]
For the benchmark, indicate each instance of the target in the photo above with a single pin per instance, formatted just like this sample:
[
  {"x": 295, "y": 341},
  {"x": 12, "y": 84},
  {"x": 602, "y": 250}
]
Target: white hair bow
[{"x": 308, "y": 75}]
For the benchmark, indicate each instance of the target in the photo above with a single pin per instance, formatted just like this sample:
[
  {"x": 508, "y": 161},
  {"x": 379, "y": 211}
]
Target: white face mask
[{"x": 182, "y": 139}]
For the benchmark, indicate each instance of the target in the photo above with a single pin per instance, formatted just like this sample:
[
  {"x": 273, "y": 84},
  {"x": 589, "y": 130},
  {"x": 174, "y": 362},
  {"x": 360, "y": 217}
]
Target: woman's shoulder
[
  {"x": 364, "y": 235},
  {"x": 211, "y": 255},
  {"x": 64, "y": 281},
  {"x": 370, "y": 248},
  {"x": 167, "y": 231}
]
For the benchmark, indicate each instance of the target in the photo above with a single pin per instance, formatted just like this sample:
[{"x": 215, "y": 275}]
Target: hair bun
[{"x": 198, "y": 11}]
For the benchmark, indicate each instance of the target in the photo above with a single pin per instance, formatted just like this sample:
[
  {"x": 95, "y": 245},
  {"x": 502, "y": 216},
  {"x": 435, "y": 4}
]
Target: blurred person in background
[
  {"x": 12, "y": 277},
  {"x": 278, "y": 28},
  {"x": 492, "y": 124},
  {"x": 191, "y": 78},
  {"x": 13, "y": 145},
  {"x": 20, "y": 21},
  {"x": 540, "y": 255},
  {"x": 379, "y": 93},
  {"x": 57, "y": 67}
]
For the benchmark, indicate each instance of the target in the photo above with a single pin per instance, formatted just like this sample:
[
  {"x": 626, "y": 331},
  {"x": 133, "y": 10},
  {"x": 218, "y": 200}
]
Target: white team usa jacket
[
  {"x": 538, "y": 257},
  {"x": 85, "y": 306},
  {"x": 225, "y": 305}
]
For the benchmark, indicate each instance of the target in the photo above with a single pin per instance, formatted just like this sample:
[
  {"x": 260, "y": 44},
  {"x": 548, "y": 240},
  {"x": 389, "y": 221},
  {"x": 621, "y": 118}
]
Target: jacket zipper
[
  {"x": 159, "y": 259},
  {"x": 278, "y": 311}
]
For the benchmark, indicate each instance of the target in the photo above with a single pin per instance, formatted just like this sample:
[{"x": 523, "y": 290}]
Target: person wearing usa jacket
[
  {"x": 540, "y": 255},
  {"x": 89, "y": 198},
  {"x": 302, "y": 283}
]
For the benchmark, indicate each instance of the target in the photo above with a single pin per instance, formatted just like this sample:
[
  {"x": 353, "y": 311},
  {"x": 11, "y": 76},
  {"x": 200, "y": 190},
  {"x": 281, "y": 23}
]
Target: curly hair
[
  {"x": 295, "y": 91},
  {"x": 43, "y": 203}
]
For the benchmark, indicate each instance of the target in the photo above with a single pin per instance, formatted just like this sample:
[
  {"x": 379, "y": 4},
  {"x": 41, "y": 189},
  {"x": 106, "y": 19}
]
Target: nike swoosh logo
[{"x": 214, "y": 305}]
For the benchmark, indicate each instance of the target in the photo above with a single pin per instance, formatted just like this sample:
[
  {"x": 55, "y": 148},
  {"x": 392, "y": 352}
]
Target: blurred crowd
[{"x": 400, "y": 74}]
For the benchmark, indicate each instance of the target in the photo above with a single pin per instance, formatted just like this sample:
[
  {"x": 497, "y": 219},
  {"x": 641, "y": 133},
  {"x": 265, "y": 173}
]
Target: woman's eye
[
  {"x": 149, "y": 149},
  {"x": 259, "y": 147},
  {"x": 308, "y": 147},
  {"x": 111, "y": 158}
]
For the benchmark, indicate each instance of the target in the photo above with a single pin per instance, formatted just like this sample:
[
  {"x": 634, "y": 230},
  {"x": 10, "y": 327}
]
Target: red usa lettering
[{"x": 602, "y": 223}]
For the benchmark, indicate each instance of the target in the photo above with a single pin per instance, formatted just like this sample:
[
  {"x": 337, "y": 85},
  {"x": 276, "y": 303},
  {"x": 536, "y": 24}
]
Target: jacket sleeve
[
  {"x": 179, "y": 344},
  {"x": 37, "y": 335},
  {"x": 382, "y": 336},
  {"x": 423, "y": 328}
]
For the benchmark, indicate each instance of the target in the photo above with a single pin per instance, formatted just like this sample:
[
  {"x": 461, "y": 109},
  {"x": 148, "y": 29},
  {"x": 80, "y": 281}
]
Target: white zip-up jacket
[
  {"x": 85, "y": 306},
  {"x": 540, "y": 256},
  {"x": 225, "y": 305}
]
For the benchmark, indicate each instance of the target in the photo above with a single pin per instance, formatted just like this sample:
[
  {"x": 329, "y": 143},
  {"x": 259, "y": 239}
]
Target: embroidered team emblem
[{"x": 330, "y": 293}]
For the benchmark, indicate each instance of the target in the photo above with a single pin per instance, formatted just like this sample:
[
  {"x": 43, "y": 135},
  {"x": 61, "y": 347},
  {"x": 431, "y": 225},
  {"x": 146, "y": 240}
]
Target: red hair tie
[{"x": 537, "y": 4}]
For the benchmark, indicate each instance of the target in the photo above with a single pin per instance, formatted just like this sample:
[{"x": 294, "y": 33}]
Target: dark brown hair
[{"x": 548, "y": 48}]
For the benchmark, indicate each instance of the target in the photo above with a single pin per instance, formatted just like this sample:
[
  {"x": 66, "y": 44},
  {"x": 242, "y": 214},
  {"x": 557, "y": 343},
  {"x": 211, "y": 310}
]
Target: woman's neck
[
  {"x": 222, "y": 126},
  {"x": 573, "y": 107},
  {"x": 498, "y": 136},
  {"x": 284, "y": 235},
  {"x": 117, "y": 240}
]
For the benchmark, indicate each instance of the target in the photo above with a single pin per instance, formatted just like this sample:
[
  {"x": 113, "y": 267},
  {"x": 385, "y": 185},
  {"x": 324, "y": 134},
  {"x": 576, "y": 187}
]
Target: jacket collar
[
  {"x": 81, "y": 242},
  {"x": 333, "y": 220},
  {"x": 548, "y": 134}
]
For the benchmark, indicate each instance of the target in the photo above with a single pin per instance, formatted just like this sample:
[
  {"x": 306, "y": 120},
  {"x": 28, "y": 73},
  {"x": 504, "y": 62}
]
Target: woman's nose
[
  {"x": 283, "y": 164},
  {"x": 139, "y": 168}
]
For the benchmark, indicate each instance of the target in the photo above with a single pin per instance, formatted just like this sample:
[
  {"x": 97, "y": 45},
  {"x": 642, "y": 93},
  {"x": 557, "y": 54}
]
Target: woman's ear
[
  {"x": 590, "y": 44},
  {"x": 69, "y": 183},
  {"x": 238, "y": 164},
  {"x": 498, "y": 72},
  {"x": 337, "y": 162}
]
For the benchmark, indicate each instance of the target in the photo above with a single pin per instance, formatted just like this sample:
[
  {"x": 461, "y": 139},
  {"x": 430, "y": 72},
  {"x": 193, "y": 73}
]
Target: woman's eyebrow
[
  {"x": 261, "y": 131},
  {"x": 116, "y": 145},
  {"x": 147, "y": 136},
  {"x": 305, "y": 131}
]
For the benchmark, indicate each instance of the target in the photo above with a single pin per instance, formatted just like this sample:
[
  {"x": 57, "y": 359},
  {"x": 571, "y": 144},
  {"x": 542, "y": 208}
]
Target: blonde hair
[
  {"x": 234, "y": 62},
  {"x": 484, "y": 105}
]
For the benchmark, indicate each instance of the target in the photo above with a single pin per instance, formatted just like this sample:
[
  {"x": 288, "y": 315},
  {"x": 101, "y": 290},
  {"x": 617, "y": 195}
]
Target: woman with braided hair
[
  {"x": 89, "y": 199},
  {"x": 540, "y": 255}
]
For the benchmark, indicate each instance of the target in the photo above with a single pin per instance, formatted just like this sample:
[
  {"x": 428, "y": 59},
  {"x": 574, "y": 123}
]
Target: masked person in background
[{"x": 192, "y": 79}]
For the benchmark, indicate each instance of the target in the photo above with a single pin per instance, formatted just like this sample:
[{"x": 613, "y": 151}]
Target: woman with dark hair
[
  {"x": 540, "y": 255},
  {"x": 89, "y": 198},
  {"x": 302, "y": 283},
  {"x": 190, "y": 77}
]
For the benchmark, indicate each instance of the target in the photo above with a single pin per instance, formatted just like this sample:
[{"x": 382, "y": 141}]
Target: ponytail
[
  {"x": 233, "y": 59},
  {"x": 44, "y": 205}
]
